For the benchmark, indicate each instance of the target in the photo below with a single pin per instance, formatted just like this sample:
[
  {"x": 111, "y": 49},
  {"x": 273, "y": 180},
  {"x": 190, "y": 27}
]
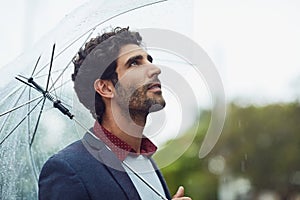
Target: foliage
[{"x": 260, "y": 144}]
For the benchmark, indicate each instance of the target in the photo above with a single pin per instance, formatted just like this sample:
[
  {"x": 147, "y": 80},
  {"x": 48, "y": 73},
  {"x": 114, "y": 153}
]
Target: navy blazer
[{"x": 87, "y": 170}]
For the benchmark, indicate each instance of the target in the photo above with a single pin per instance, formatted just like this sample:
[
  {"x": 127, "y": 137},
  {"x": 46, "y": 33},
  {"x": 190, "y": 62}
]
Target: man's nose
[{"x": 154, "y": 70}]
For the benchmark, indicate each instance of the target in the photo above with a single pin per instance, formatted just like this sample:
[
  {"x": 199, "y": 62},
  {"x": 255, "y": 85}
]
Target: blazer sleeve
[{"x": 58, "y": 180}]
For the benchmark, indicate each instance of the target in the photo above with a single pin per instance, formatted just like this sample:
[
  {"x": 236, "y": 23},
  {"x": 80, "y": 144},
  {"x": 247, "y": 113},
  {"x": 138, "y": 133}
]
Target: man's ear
[{"x": 104, "y": 87}]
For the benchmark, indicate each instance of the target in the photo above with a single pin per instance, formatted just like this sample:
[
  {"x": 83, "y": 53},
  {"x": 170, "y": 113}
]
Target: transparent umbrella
[{"x": 30, "y": 129}]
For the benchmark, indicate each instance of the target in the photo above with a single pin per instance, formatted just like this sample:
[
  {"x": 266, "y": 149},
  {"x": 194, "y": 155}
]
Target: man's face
[{"x": 138, "y": 89}]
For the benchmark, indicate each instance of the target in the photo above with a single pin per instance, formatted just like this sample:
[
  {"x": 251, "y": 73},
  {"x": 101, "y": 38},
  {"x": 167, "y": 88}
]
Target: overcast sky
[{"x": 254, "y": 44}]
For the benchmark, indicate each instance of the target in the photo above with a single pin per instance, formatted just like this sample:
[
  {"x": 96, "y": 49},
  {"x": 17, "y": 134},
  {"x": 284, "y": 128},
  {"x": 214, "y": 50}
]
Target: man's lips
[{"x": 155, "y": 87}]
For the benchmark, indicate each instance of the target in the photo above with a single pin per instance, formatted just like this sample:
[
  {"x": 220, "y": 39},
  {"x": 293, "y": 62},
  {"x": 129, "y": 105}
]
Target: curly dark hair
[{"x": 98, "y": 59}]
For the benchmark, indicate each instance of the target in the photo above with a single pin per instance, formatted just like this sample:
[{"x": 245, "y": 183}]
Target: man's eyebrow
[
  {"x": 149, "y": 57},
  {"x": 138, "y": 57}
]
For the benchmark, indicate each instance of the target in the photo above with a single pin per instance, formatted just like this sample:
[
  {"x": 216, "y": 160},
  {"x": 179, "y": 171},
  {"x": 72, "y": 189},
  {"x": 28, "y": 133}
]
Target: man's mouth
[{"x": 155, "y": 87}]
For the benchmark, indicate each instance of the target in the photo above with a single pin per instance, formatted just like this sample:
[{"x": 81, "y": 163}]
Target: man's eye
[{"x": 134, "y": 63}]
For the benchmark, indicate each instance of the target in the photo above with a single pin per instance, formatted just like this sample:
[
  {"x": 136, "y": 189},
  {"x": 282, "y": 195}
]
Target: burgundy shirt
[{"x": 121, "y": 148}]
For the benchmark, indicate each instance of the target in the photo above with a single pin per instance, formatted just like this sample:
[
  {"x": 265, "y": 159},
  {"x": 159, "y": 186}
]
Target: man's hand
[{"x": 180, "y": 194}]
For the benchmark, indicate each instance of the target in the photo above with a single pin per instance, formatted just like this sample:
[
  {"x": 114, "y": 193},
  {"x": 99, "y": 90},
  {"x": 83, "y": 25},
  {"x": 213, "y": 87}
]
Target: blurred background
[{"x": 255, "y": 46}]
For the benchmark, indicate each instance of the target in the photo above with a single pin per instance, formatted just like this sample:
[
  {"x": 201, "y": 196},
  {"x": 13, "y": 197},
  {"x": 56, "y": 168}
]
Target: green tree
[{"x": 261, "y": 144}]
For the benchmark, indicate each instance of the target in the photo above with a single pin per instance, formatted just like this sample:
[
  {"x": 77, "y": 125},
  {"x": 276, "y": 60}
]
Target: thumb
[{"x": 180, "y": 192}]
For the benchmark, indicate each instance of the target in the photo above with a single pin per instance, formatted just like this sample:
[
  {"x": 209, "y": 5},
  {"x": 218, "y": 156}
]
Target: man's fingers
[{"x": 179, "y": 193}]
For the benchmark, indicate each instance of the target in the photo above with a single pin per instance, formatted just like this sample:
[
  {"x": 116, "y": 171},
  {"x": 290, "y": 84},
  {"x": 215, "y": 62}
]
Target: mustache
[
  {"x": 151, "y": 82},
  {"x": 142, "y": 86}
]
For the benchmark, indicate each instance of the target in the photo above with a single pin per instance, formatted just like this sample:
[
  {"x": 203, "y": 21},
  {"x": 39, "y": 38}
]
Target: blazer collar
[{"x": 99, "y": 151}]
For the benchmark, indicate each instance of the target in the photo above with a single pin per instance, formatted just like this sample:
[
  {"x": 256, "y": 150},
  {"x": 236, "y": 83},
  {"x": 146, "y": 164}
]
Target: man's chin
[{"x": 157, "y": 107}]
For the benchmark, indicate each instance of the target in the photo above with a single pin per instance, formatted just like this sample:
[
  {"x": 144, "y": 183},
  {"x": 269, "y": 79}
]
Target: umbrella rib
[
  {"x": 62, "y": 51},
  {"x": 43, "y": 75},
  {"x": 124, "y": 12},
  {"x": 53, "y": 89},
  {"x": 51, "y": 63},
  {"x": 92, "y": 29},
  {"x": 11, "y": 93},
  {"x": 37, "y": 123},
  {"x": 114, "y": 16},
  {"x": 20, "y": 106},
  {"x": 66, "y": 67},
  {"x": 36, "y": 64},
  {"x": 28, "y": 119},
  {"x": 34, "y": 168},
  {"x": 16, "y": 102},
  {"x": 3, "y": 140},
  {"x": 23, "y": 81}
]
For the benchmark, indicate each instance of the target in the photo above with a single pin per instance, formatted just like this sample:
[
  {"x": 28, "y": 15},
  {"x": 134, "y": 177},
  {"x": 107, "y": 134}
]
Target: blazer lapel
[
  {"x": 98, "y": 149},
  {"x": 162, "y": 180},
  {"x": 114, "y": 166}
]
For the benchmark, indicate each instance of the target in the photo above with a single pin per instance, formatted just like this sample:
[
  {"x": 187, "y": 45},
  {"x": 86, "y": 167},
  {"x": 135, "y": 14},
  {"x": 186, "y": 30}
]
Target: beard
[{"x": 138, "y": 100}]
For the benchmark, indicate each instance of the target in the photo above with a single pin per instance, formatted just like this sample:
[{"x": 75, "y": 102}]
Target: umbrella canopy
[{"x": 31, "y": 129}]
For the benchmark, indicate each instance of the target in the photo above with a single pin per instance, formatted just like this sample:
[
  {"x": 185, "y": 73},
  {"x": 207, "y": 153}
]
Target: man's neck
[{"x": 124, "y": 127}]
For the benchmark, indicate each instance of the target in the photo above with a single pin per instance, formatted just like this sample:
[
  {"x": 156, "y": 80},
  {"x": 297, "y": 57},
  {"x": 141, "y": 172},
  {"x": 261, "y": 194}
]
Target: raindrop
[
  {"x": 243, "y": 166},
  {"x": 239, "y": 124},
  {"x": 295, "y": 179},
  {"x": 216, "y": 165}
]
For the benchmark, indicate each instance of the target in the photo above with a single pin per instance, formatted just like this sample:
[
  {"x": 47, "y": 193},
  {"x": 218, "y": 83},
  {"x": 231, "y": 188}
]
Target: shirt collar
[{"x": 121, "y": 148}]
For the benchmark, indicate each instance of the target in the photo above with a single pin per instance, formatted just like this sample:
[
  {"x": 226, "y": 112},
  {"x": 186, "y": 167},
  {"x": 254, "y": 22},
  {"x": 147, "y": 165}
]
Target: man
[{"x": 115, "y": 79}]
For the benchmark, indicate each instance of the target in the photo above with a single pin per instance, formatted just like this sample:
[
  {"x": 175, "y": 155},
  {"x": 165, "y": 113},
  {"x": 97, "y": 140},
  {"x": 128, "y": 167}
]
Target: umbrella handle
[{"x": 56, "y": 103}]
